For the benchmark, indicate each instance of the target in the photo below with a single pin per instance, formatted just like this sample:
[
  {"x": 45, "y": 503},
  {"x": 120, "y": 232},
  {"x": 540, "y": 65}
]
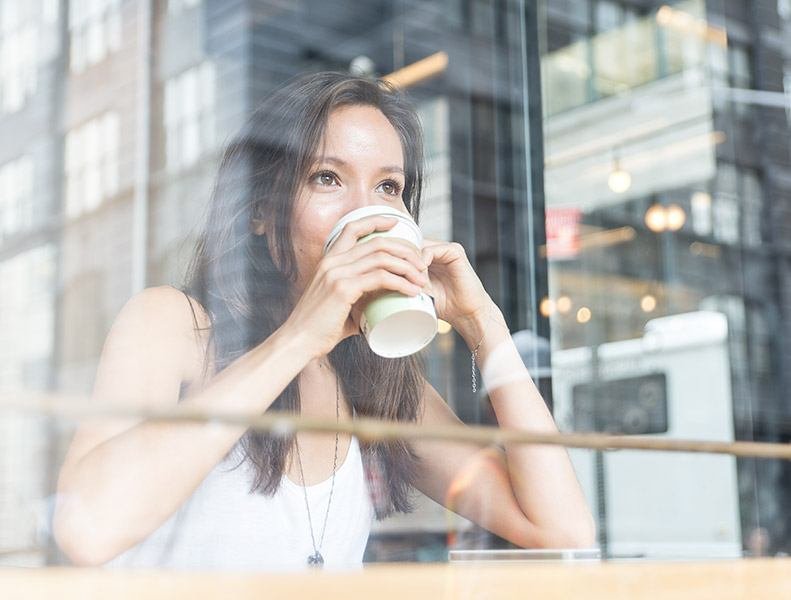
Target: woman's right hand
[{"x": 349, "y": 270}]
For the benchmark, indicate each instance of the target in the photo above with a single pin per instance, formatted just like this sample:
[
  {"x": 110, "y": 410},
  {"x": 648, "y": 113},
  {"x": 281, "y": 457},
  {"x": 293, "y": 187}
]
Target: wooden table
[{"x": 720, "y": 579}]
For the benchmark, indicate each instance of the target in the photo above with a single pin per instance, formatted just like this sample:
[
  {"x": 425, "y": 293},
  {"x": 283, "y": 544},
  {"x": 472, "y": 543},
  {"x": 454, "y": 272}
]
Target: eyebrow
[{"x": 343, "y": 163}]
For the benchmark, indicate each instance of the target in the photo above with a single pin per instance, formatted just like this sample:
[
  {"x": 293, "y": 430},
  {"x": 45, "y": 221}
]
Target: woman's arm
[
  {"x": 542, "y": 477},
  {"x": 120, "y": 481},
  {"x": 543, "y": 480}
]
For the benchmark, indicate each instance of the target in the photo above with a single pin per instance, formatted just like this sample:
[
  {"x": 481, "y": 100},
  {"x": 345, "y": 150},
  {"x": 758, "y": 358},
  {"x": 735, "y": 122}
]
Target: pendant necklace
[{"x": 316, "y": 560}]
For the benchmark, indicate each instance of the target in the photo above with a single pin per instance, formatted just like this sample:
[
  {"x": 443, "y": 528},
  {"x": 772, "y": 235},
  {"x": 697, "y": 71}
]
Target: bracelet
[{"x": 474, "y": 353}]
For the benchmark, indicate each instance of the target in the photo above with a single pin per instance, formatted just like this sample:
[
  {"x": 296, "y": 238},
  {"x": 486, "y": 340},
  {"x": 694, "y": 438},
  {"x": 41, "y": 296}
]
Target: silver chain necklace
[{"x": 316, "y": 560}]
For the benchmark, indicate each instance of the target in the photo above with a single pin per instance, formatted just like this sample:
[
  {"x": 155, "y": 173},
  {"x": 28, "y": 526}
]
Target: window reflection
[
  {"x": 94, "y": 30},
  {"x": 643, "y": 131},
  {"x": 616, "y": 170}
]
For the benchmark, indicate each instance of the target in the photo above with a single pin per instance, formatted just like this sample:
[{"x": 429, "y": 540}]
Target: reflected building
[
  {"x": 31, "y": 80},
  {"x": 668, "y": 170}
]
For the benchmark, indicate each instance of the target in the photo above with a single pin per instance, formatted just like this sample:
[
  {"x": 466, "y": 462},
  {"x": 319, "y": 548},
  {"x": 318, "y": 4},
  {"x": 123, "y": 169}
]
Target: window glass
[
  {"x": 91, "y": 164},
  {"x": 189, "y": 115},
  {"x": 657, "y": 219},
  {"x": 600, "y": 188},
  {"x": 21, "y": 52},
  {"x": 94, "y": 32}
]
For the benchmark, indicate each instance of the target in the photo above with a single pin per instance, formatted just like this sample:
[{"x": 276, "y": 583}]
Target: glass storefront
[
  {"x": 660, "y": 179},
  {"x": 617, "y": 173}
]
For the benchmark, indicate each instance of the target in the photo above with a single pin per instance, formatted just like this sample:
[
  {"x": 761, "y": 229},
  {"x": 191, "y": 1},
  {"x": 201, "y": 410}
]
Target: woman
[{"x": 267, "y": 322}]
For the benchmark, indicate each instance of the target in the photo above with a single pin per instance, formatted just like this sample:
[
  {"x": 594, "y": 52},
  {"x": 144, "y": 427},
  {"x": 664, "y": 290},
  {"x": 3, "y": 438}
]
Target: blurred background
[{"x": 619, "y": 172}]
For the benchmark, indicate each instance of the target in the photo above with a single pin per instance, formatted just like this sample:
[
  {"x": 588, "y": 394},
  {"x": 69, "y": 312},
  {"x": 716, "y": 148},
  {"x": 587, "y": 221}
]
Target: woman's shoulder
[
  {"x": 187, "y": 315},
  {"x": 171, "y": 301}
]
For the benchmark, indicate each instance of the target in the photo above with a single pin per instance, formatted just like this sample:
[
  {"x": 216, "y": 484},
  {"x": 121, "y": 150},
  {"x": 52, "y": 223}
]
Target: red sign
[{"x": 563, "y": 233}]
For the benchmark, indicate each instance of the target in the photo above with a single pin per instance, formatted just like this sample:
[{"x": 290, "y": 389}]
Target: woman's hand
[
  {"x": 459, "y": 295},
  {"x": 323, "y": 314}
]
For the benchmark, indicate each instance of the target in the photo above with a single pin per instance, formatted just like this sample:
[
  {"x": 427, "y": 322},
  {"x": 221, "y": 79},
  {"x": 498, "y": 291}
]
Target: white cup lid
[{"x": 365, "y": 211}]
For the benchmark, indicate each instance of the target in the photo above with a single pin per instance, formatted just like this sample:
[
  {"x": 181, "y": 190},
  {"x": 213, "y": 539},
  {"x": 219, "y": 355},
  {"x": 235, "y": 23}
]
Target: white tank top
[{"x": 223, "y": 526}]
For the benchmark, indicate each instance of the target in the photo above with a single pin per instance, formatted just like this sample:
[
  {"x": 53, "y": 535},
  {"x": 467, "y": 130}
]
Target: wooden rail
[
  {"x": 77, "y": 407},
  {"x": 722, "y": 580}
]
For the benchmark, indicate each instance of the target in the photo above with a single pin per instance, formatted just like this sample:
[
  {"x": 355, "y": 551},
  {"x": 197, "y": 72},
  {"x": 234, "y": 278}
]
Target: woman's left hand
[{"x": 458, "y": 293}]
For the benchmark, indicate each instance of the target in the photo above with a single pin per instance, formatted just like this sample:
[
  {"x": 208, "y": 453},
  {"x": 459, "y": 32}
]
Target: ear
[
  {"x": 258, "y": 227},
  {"x": 263, "y": 228}
]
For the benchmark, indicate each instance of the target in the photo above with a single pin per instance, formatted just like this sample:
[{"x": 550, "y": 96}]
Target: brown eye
[
  {"x": 325, "y": 177},
  {"x": 391, "y": 187}
]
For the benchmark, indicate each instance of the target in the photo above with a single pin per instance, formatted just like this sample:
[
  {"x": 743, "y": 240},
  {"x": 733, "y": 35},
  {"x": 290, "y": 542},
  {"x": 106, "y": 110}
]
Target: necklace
[{"x": 316, "y": 559}]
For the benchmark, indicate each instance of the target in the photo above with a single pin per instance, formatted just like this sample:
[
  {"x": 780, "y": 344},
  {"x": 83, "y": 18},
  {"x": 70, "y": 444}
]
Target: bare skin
[
  {"x": 317, "y": 450},
  {"x": 122, "y": 479}
]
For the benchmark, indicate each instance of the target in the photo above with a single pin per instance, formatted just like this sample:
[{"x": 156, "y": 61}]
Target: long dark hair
[{"x": 244, "y": 290}]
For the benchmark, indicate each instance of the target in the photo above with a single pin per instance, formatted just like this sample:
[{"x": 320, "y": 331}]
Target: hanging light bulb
[
  {"x": 547, "y": 307},
  {"x": 676, "y": 217},
  {"x": 656, "y": 218},
  {"x": 563, "y": 304},
  {"x": 619, "y": 179},
  {"x": 648, "y": 303},
  {"x": 660, "y": 218}
]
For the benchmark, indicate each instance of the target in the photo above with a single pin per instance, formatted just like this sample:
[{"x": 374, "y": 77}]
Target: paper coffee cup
[{"x": 393, "y": 323}]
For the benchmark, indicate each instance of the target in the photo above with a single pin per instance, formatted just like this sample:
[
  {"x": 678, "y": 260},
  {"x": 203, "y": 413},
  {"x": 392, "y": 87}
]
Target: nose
[{"x": 362, "y": 195}]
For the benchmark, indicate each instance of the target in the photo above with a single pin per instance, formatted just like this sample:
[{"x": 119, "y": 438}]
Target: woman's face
[{"x": 361, "y": 164}]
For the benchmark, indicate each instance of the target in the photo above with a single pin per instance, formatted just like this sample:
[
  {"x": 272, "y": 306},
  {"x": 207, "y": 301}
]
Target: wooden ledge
[{"x": 721, "y": 579}]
